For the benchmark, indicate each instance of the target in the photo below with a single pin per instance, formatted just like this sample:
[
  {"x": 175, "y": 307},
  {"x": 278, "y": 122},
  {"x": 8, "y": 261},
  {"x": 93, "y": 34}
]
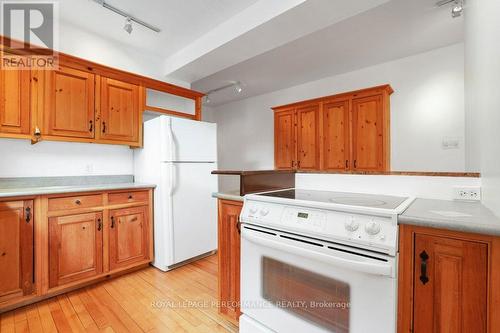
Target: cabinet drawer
[
  {"x": 81, "y": 201},
  {"x": 127, "y": 197}
]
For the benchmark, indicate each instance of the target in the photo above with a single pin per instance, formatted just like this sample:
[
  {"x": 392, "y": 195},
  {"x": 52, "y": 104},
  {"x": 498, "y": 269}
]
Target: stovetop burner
[{"x": 341, "y": 198}]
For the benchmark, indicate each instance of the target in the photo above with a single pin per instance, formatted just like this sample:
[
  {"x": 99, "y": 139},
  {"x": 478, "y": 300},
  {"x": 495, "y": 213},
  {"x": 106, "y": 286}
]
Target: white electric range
[{"x": 319, "y": 261}]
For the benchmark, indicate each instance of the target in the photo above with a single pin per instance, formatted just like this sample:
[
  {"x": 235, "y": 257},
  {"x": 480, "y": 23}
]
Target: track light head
[
  {"x": 128, "y": 25},
  {"x": 457, "y": 9},
  {"x": 238, "y": 87}
]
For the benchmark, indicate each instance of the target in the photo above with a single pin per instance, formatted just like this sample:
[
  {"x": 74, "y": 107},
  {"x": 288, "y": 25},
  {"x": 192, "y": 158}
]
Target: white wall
[
  {"x": 19, "y": 158},
  {"x": 483, "y": 98},
  {"x": 80, "y": 43},
  {"x": 428, "y": 105},
  {"x": 417, "y": 186}
]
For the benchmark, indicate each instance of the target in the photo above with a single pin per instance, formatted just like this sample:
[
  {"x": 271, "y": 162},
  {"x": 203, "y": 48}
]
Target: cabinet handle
[
  {"x": 347, "y": 164},
  {"x": 238, "y": 226},
  {"x": 28, "y": 214},
  {"x": 99, "y": 224},
  {"x": 112, "y": 221},
  {"x": 298, "y": 164},
  {"x": 423, "y": 267},
  {"x": 91, "y": 126},
  {"x": 355, "y": 164},
  {"x": 104, "y": 127},
  {"x": 78, "y": 202}
]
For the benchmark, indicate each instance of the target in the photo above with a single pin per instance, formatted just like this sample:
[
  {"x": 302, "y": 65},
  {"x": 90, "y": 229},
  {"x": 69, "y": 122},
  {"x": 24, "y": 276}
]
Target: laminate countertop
[
  {"x": 452, "y": 215},
  {"x": 228, "y": 195},
  {"x": 32, "y": 186}
]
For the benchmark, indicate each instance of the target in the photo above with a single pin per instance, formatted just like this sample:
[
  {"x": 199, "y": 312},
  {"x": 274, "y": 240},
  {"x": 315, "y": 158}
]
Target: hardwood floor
[{"x": 182, "y": 300}]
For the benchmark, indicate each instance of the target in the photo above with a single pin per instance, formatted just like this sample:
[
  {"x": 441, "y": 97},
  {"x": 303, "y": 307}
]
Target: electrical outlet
[
  {"x": 467, "y": 193},
  {"x": 89, "y": 169}
]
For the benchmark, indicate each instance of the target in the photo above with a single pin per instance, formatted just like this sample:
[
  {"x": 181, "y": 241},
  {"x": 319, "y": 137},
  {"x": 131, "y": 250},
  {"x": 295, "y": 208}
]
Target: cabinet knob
[
  {"x": 78, "y": 202},
  {"x": 130, "y": 196}
]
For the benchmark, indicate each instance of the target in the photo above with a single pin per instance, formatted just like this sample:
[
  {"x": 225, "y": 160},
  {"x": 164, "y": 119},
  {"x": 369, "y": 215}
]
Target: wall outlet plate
[{"x": 467, "y": 193}]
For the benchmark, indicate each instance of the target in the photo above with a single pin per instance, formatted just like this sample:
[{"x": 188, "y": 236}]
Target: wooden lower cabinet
[
  {"x": 76, "y": 239},
  {"x": 229, "y": 257},
  {"x": 16, "y": 249},
  {"x": 446, "y": 282},
  {"x": 128, "y": 236},
  {"x": 75, "y": 247}
]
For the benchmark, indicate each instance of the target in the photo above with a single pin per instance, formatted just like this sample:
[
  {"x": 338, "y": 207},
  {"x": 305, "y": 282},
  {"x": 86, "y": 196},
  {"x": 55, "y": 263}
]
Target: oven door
[{"x": 294, "y": 284}]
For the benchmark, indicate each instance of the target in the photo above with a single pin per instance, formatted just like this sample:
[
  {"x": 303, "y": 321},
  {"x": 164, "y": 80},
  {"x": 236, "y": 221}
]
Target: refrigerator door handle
[
  {"x": 171, "y": 140},
  {"x": 173, "y": 180}
]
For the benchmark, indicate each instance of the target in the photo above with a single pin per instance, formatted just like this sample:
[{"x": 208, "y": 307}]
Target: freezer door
[
  {"x": 187, "y": 140},
  {"x": 194, "y": 211}
]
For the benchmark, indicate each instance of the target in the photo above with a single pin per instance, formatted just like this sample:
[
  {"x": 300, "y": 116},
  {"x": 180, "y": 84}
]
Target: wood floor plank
[
  {"x": 149, "y": 300},
  {"x": 48, "y": 325}
]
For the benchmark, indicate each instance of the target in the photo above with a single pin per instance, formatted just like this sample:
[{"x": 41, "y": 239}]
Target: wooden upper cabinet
[
  {"x": 229, "y": 257},
  {"x": 308, "y": 137},
  {"x": 367, "y": 133},
  {"x": 69, "y": 103},
  {"x": 16, "y": 249},
  {"x": 336, "y": 142},
  {"x": 344, "y": 132},
  {"x": 120, "y": 111},
  {"x": 451, "y": 285},
  {"x": 128, "y": 237},
  {"x": 15, "y": 102},
  {"x": 285, "y": 152},
  {"x": 75, "y": 247}
]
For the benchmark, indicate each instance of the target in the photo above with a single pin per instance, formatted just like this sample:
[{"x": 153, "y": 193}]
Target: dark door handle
[
  {"x": 355, "y": 164},
  {"x": 28, "y": 214},
  {"x": 423, "y": 267},
  {"x": 104, "y": 127},
  {"x": 347, "y": 164},
  {"x": 91, "y": 126},
  {"x": 99, "y": 224},
  {"x": 238, "y": 226},
  {"x": 112, "y": 221}
]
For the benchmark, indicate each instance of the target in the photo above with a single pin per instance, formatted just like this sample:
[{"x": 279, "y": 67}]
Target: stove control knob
[
  {"x": 264, "y": 212},
  {"x": 372, "y": 228},
  {"x": 351, "y": 225},
  {"x": 253, "y": 210}
]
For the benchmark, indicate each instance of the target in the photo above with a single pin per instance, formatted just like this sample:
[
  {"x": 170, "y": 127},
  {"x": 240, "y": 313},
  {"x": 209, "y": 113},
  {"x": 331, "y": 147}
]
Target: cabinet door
[
  {"x": 119, "y": 111},
  {"x": 15, "y": 102},
  {"x": 129, "y": 236},
  {"x": 367, "y": 133},
  {"x": 308, "y": 137},
  {"x": 284, "y": 139},
  {"x": 450, "y": 292},
  {"x": 229, "y": 257},
  {"x": 75, "y": 247},
  {"x": 336, "y": 135},
  {"x": 16, "y": 249},
  {"x": 69, "y": 106}
]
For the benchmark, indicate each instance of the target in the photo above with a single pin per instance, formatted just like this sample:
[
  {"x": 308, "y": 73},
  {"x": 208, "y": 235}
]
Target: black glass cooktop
[{"x": 341, "y": 198}]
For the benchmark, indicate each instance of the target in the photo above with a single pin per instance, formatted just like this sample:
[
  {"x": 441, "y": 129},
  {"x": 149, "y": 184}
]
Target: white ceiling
[
  {"x": 181, "y": 21},
  {"x": 269, "y": 44},
  {"x": 393, "y": 30}
]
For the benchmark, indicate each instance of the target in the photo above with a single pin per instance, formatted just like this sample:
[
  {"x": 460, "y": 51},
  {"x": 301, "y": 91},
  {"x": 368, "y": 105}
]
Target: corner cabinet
[
  {"x": 16, "y": 250},
  {"x": 345, "y": 132},
  {"x": 448, "y": 281},
  {"x": 15, "y": 103},
  {"x": 229, "y": 257}
]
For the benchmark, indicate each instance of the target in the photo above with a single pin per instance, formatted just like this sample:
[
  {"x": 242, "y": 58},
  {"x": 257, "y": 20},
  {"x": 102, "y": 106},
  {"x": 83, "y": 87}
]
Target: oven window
[{"x": 316, "y": 298}]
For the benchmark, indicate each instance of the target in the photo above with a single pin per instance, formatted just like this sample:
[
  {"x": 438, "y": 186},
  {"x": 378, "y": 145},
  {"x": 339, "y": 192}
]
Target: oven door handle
[{"x": 356, "y": 265}]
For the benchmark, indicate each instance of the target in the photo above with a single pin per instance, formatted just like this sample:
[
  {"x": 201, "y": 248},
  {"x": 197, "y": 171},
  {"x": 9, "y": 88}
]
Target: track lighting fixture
[
  {"x": 238, "y": 88},
  {"x": 128, "y": 25},
  {"x": 457, "y": 6},
  {"x": 128, "y": 18}
]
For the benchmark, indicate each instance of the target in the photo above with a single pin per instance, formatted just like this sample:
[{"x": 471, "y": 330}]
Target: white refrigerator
[{"x": 178, "y": 156}]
